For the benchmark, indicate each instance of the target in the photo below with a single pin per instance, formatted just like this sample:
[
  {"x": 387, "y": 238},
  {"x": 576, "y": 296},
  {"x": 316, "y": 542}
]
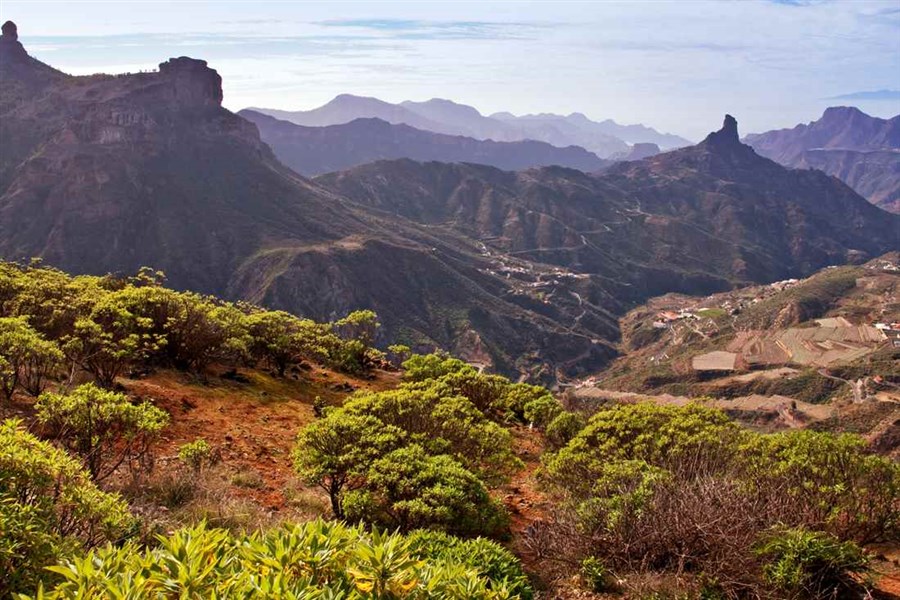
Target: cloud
[
  {"x": 797, "y": 2},
  {"x": 416, "y": 29},
  {"x": 873, "y": 95}
]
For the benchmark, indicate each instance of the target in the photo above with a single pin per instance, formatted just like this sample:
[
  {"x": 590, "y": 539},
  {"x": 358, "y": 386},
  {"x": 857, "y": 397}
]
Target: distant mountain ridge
[
  {"x": 445, "y": 116},
  {"x": 525, "y": 272},
  {"x": 861, "y": 150},
  {"x": 317, "y": 150},
  {"x": 630, "y": 134}
]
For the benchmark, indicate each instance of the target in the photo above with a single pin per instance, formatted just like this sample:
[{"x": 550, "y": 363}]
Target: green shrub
[
  {"x": 420, "y": 367},
  {"x": 563, "y": 428},
  {"x": 657, "y": 435},
  {"x": 595, "y": 574},
  {"x": 408, "y": 489},
  {"x": 489, "y": 559},
  {"x": 486, "y": 392},
  {"x": 542, "y": 410},
  {"x": 102, "y": 428},
  {"x": 519, "y": 395},
  {"x": 441, "y": 423},
  {"x": 810, "y": 563},
  {"x": 832, "y": 481},
  {"x": 275, "y": 338},
  {"x": 26, "y": 358},
  {"x": 335, "y": 452},
  {"x": 195, "y": 455},
  {"x": 349, "y": 454},
  {"x": 48, "y": 508},
  {"x": 682, "y": 489},
  {"x": 312, "y": 560}
]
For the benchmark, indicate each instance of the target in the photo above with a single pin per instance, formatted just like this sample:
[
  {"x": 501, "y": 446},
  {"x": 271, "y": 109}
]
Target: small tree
[
  {"x": 810, "y": 564},
  {"x": 407, "y": 489},
  {"x": 26, "y": 358},
  {"x": 563, "y": 428},
  {"x": 421, "y": 367},
  {"x": 398, "y": 353},
  {"x": 102, "y": 427},
  {"x": 334, "y": 453},
  {"x": 442, "y": 423},
  {"x": 275, "y": 338},
  {"x": 359, "y": 325},
  {"x": 109, "y": 340}
]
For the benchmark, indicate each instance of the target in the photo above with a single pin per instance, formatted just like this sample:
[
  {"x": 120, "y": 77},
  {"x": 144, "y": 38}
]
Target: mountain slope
[
  {"x": 111, "y": 173},
  {"x": 698, "y": 218},
  {"x": 861, "y": 150},
  {"x": 316, "y": 150},
  {"x": 465, "y": 120}
]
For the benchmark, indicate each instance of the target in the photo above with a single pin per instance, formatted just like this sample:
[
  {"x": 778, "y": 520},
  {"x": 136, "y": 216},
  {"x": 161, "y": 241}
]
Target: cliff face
[{"x": 113, "y": 172}]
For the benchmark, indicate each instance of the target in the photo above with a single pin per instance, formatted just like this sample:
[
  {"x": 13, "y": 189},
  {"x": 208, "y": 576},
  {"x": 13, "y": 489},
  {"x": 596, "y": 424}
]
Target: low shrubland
[
  {"x": 684, "y": 490},
  {"x": 52, "y": 324},
  {"x": 413, "y": 475}
]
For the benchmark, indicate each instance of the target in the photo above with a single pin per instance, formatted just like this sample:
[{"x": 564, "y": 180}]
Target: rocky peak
[
  {"x": 10, "y": 47},
  {"x": 727, "y": 135},
  {"x": 10, "y": 31},
  {"x": 193, "y": 83},
  {"x": 726, "y": 142},
  {"x": 840, "y": 113}
]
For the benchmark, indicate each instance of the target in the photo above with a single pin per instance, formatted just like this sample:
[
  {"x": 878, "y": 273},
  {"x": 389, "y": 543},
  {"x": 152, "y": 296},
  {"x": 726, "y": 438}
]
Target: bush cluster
[
  {"x": 420, "y": 456},
  {"x": 49, "y": 507},
  {"x": 107, "y": 326},
  {"x": 686, "y": 490}
]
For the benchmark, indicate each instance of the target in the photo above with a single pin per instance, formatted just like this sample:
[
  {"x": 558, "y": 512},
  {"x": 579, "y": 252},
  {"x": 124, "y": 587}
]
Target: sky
[{"x": 678, "y": 66}]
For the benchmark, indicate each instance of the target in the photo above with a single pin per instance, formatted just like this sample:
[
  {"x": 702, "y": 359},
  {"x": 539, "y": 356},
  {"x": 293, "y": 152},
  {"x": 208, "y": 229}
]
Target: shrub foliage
[
  {"x": 315, "y": 560},
  {"x": 49, "y": 507}
]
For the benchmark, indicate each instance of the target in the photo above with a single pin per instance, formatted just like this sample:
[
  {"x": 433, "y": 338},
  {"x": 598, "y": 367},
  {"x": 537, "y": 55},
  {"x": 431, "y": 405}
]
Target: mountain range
[
  {"x": 316, "y": 150},
  {"x": 861, "y": 150},
  {"x": 604, "y": 139},
  {"x": 524, "y": 271}
]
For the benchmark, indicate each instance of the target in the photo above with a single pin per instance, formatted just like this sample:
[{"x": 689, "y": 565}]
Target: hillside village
[{"x": 786, "y": 354}]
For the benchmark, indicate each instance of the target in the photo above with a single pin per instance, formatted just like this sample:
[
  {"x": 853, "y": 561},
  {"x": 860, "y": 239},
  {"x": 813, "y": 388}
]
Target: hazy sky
[{"x": 675, "y": 65}]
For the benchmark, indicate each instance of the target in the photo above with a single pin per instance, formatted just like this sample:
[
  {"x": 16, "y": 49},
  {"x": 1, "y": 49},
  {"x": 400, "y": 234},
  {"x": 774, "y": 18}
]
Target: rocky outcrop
[
  {"x": 10, "y": 46},
  {"x": 191, "y": 82}
]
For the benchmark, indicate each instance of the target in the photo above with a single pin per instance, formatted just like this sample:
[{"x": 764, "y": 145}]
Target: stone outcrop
[
  {"x": 192, "y": 82},
  {"x": 10, "y": 47}
]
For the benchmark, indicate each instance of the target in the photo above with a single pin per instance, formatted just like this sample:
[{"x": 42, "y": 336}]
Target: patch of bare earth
[{"x": 250, "y": 419}]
